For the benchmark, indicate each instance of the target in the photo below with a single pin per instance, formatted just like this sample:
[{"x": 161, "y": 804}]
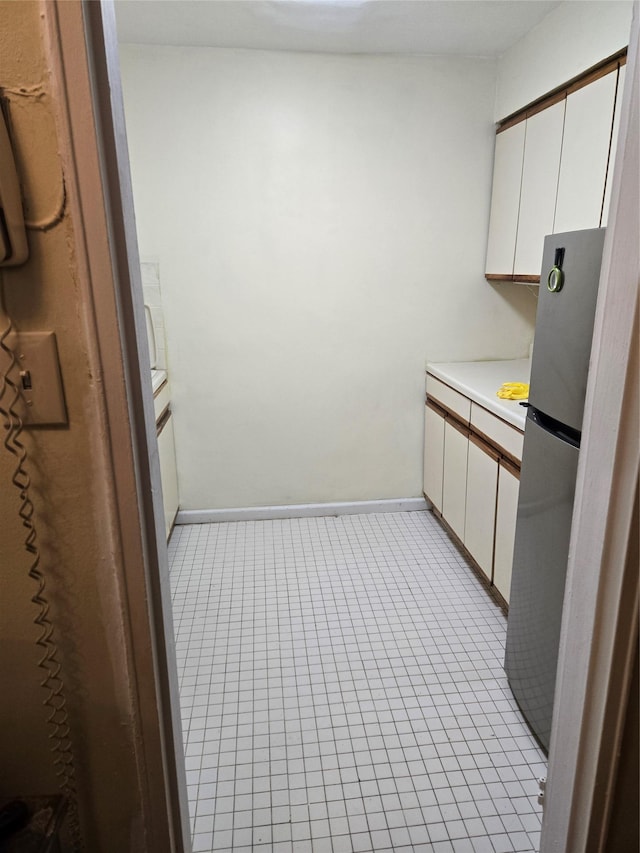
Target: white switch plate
[{"x": 37, "y": 375}]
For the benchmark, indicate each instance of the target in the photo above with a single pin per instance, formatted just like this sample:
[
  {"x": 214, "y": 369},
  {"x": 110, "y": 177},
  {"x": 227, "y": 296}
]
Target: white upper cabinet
[
  {"x": 543, "y": 144},
  {"x": 505, "y": 200},
  {"x": 585, "y": 152},
  {"x": 614, "y": 145},
  {"x": 552, "y": 172}
]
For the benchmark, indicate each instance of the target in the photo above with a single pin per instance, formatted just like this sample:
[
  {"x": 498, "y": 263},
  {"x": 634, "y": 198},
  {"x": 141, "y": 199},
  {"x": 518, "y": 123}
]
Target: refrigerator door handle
[
  {"x": 551, "y": 425},
  {"x": 555, "y": 279}
]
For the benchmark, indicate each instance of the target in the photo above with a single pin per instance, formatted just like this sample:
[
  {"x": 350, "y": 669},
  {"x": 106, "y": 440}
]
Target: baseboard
[{"x": 264, "y": 513}]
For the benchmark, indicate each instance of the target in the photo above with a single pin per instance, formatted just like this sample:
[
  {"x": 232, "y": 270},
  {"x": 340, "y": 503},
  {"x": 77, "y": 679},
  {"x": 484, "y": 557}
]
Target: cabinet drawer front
[
  {"x": 161, "y": 400},
  {"x": 450, "y": 399},
  {"x": 498, "y": 431}
]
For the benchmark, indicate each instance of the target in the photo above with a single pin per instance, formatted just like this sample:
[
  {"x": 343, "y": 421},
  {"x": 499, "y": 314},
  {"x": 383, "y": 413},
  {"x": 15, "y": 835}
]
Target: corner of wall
[{"x": 569, "y": 40}]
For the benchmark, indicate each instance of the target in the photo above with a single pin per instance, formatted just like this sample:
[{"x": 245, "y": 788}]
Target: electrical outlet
[{"x": 37, "y": 375}]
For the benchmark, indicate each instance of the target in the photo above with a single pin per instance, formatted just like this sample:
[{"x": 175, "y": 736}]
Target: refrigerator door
[
  {"x": 564, "y": 324},
  {"x": 543, "y": 526}
]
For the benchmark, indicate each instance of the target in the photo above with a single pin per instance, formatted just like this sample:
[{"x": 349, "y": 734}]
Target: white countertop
[{"x": 479, "y": 380}]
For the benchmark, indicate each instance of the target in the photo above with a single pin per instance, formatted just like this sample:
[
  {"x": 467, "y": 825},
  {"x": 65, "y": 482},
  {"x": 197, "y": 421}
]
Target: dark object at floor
[{"x": 31, "y": 824}]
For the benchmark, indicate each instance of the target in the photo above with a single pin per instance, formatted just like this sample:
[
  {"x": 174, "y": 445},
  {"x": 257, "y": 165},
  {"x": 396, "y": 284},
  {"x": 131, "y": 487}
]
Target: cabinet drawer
[
  {"x": 161, "y": 400},
  {"x": 448, "y": 398},
  {"x": 498, "y": 431}
]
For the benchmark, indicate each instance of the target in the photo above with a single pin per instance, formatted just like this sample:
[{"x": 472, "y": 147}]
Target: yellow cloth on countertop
[{"x": 513, "y": 391}]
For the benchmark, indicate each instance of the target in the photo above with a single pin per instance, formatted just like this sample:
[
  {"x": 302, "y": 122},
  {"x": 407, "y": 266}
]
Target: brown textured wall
[{"x": 72, "y": 485}]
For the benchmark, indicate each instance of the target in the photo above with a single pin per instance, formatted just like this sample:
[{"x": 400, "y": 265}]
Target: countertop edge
[{"x": 479, "y": 380}]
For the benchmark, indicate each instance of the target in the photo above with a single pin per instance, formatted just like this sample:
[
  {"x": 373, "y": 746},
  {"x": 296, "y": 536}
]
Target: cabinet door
[
  {"x": 506, "y": 512},
  {"x": 614, "y": 146},
  {"x": 454, "y": 486},
  {"x": 433, "y": 456},
  {"x": 480, "y": 515},
  {"x": 505, "y": 199},
  {"x": 168, "y": 474},
  {"x": 542, "y": 147},
  {"x": 585, "y": 151}
]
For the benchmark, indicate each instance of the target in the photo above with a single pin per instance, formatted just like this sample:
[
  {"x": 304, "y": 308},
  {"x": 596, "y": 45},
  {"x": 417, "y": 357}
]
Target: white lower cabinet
[
  {"x": 433, "y": 455},
  {"x": 473, "y": 484},
  {"x": 454, "y": 483},
  {"x": 482, "y": 489},
  {"x": 506, "y": 512},
  {"x": 168, "y": 473}
]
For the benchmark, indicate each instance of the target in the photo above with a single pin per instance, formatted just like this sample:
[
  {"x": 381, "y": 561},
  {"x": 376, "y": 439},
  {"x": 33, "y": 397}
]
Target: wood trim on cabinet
[
  {"x": 600, "y": 69},
  {"x": 159, "y": 388},
  {"x": 533, "y": 109},
  {"x": 591, "y": 76},
  {"x": 472, "y": 432},
  {"x": 526, "y": 279},
  {"x": 489, "y": 449},
  {"x": 484, "y": 580},
  {"x": 509, "y": 466},
  {"x": 460, "y": 427},
  {"x": 446, "y": 412},
  {"x": 504, "y": 454},
  {"x": 163, "y": 419},
  {"x": 549, "y": 101},
  {"x": 430, "y": 501},
  {"x": 518, "y": 279},
  {"x": 498, "y": 276},
  {"x": 436, "y": 407},
  {"x": 492, "y": 441}
]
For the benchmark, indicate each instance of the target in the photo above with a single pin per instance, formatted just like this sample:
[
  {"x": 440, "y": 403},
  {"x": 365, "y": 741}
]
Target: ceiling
[{"x": 434, "y": 27}]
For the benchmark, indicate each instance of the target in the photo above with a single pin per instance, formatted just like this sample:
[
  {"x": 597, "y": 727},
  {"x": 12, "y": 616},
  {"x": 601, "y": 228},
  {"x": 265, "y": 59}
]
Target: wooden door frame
[
  {"x": 595, "y": 644},
  {"x": 600, "y": 617},
  {"x": 88, "y": 82}
]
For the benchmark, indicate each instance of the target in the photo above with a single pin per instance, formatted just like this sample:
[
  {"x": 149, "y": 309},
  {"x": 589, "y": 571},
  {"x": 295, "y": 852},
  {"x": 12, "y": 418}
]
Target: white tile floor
[{"x": 342, "y": 690}]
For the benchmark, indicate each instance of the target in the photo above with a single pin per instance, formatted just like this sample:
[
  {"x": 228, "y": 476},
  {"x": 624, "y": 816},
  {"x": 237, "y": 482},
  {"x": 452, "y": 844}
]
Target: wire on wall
[{"x": 52, "y": 681}]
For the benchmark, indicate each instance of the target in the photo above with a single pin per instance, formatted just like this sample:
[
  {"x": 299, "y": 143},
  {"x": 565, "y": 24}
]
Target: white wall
[
  {"x": 320, "y": 224},
  {"x": 568, "y": 41}
]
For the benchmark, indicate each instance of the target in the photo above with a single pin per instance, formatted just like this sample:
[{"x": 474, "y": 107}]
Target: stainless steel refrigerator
[{"x": 559, "y": 367}]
